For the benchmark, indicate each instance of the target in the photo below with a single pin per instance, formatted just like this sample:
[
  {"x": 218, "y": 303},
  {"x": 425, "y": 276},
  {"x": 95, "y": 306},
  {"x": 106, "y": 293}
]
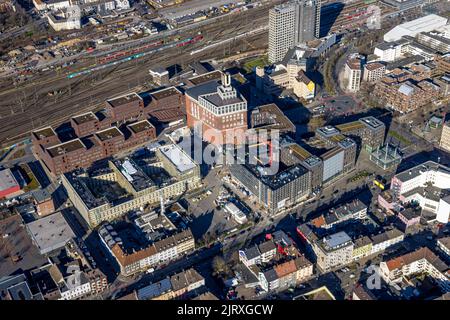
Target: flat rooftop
[
  {"x": 178, "y": 157},
  {"x": 312, "y": 161},
  {"x": 44, "y": 133},
  {"x": 337, "y": 138},
  {"x": 373, "y": 66},
  {"x": 19, "y": 243},
  {"x": 66, "y": 147},
  {"x": 411, "y": 213},
  {"x": 270, "y": 116},
  {"x": 84, "y": 118},
  {"x": 300, "y": 152},
  {"x": 108, "y": 134},
  {"x": 372, "y": 122},
  {"x": 119, "y": 101},
  {"x": 327, "y": 131},
  {"x": 51, "y": 232},
  {"x": 405, "y": 62},
  {"x": 282, "y": 177},
  {"x": 421, "y": 168},
  {"x": 331, "y": 153},
  {"x": 350, "y": 126},
  {"x": 140, "y": 126},
  {"x": 429, "y": 192},
  {"x": 354, "y": 63},
  {"x": 217, "y": 100},
  {"x": 7, "y": 180},
  {"x": 134, "y": 174},
  {"x": 84, "y": 192},
  {"x": 336, "y": 241},
  {"x": 155, "y": 226},
  {"x": 168, "y": 115},
  {"x": 213, "y": 75},
  {"x": 346, "y": 143},
  {"x": 164, "y": 93}
]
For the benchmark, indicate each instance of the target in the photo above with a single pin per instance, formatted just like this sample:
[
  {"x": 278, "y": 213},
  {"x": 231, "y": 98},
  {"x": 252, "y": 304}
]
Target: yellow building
[
  {"x": 304, "y": 88},
  {"x": 362, "y": 248}
]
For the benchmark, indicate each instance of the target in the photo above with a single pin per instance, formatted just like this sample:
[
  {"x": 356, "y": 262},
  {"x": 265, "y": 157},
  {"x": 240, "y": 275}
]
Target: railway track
[{"x": 18, "y": 126}]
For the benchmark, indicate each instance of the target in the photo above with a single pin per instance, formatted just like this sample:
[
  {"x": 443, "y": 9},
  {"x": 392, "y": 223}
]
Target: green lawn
[
  {"x": 399, "y": 137},
  {"x": 34, "y": 183},
  {"x": 260, "y": 61}
]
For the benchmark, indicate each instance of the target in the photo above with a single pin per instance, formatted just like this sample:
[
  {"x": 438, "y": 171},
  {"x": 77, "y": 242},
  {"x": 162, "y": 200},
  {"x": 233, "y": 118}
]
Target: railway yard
[
  {"x": 46, "y": 98},
  {"x": 29, "y": 106}
]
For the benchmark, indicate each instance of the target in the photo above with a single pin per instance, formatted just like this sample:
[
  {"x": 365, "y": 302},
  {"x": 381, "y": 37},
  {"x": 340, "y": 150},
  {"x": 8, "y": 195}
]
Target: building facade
[
  {"x": 220, "y": 111},
  {"x": 333, "y": 251},
  {"x": 290, "y": 24},
  {"x": 445, "y": 137}
]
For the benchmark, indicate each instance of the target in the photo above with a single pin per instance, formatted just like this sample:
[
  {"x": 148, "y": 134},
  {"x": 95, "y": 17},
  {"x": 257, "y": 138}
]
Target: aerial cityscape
[{"x": 229, "y": 150}]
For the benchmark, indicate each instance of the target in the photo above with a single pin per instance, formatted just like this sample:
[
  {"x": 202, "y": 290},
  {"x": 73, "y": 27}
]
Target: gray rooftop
[
  {"x": 281, "y": 178},
  {"x": 387, "y": 235},
  {"x": 202, "y": 89},
  {"x": 7, "y": 180},
  {"x": 349, "y": 208},
  {"x": 134, "y": 174},
  {"x": 418, "y": 170},
  {"x": 336, "y": 241},
  {"x": 178, "y": 157},
  {"x": 154, "y": 290},
  {"x": 252, "y": 252},
  {"x": 50, "y": 233},
  {"x": 266, "y": 246}
]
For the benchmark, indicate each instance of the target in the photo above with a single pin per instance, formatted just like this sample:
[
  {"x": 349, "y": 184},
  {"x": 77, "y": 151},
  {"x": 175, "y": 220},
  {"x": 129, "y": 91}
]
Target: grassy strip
[
  {"x": 260, "y": 61},
  {"x": 34, "y": 183},
  {"x": 399, "y": 137}
]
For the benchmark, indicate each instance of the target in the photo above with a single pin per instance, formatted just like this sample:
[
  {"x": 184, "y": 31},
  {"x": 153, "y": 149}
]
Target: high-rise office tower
[{"x": 292, "y": 23}]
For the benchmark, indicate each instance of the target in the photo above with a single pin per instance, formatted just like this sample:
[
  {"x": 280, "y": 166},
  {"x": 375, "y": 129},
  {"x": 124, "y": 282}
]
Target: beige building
[
  {"x": 374, "y": 71},
  {"x": 333, "y": 251},
  {"x": 159, "y": 253},
  {"x": 445, "y": 136},
  {"x": 171, "y": 174},
  {"x": 362, "y": 248},
  {"x": 288, "y": 74}
]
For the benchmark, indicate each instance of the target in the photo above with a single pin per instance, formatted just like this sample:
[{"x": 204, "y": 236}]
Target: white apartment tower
[
  {"x": 292, "y": 23},
  {"x": 353, "y": 73}
]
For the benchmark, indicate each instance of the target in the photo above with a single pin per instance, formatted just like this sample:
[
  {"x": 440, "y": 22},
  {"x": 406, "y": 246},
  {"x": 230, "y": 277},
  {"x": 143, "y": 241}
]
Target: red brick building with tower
[{"x": 219, "y": 109}]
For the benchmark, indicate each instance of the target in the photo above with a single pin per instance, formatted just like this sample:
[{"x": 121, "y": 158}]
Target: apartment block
[
  {"x": 421, "y": 261},
  {"x": 353, "y": 73},
  {"x": 373, "y": 71},
  {"x": 333, "y": 251}
]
